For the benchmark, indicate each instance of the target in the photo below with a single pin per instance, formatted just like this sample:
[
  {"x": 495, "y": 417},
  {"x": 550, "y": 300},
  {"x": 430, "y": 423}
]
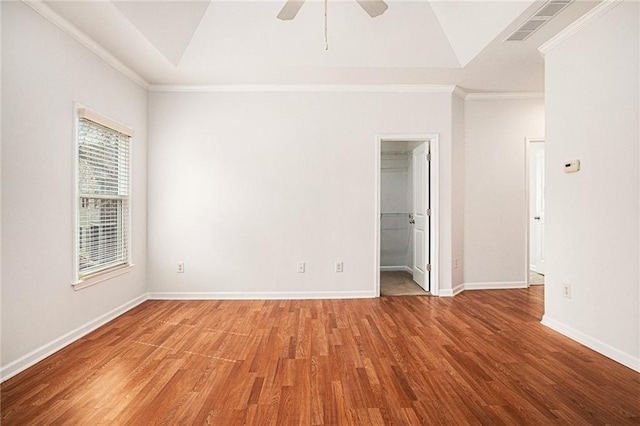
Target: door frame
[
  {"x": 434, "y": 197},
  {"x": 527, "y": 202}
]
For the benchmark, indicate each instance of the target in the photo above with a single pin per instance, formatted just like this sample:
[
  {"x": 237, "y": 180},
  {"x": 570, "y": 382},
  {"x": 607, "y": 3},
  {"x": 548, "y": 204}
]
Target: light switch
[{"x": 572, "y": 166}]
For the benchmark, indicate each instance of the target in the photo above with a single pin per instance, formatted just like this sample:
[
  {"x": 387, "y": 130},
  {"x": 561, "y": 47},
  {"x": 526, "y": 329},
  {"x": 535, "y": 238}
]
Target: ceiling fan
[{"x": 372, "y": 7}]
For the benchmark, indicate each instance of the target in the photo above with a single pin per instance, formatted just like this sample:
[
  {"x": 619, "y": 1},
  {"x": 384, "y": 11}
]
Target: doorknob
[
  {"x": 536, "y": 217},
  {"x": 411, "y": 219}
]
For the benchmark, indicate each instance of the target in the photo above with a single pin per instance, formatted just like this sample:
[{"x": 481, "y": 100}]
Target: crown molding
[
  {"x": 504, "y": 96},
  {"x": 337, "y": 88},
  {"x": 45, "y": 11},
  {"x": 460, "y": 92},
  {"x": 577, "y": 26}
]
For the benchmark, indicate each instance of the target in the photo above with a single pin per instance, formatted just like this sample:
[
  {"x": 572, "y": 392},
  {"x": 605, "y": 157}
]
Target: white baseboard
[
  {"x": 450, "y": 292},
  {"x": 262, "y": 295},
  {"x": 495, "y": 285},
  {"x": 592, "y": 343},
  {"x": 481, "y": 286},
  {"x": 396, "y": 269},
  {"x": 33, "y": 357}
]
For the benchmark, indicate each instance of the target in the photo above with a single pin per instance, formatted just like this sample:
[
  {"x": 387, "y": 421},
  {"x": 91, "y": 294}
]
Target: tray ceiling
[{"x": 242, "y": 42}]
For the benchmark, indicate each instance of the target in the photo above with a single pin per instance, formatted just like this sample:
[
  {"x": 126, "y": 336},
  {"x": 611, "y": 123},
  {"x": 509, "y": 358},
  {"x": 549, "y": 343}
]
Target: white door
[
  {"x": 421, "y": 225},
  {"x": 539, "y": 211}
]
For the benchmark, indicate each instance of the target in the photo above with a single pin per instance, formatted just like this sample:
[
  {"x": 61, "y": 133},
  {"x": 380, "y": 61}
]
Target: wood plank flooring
[{"x": 479, "y": 358}]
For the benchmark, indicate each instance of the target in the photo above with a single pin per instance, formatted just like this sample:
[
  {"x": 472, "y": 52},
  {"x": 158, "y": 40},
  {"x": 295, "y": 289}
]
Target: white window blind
[{"x": 103, "y": 196}]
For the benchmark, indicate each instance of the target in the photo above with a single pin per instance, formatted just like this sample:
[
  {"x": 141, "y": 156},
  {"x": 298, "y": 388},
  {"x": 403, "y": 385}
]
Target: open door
[
  {"x": 421, "y": 154},
  {"x": 421, "y": 216},
  {"x": 538, "y": 218}
]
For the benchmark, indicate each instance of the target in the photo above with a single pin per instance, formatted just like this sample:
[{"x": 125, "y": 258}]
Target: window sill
[{"x": 107, "y": 275}]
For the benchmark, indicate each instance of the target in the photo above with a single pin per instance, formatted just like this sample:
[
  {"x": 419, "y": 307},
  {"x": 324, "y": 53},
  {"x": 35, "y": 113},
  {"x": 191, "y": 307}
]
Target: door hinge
[
  {"x": 428, "y": 212},
  {"x": 428, "y": 267},
  {"x": 428, "y": 156}
]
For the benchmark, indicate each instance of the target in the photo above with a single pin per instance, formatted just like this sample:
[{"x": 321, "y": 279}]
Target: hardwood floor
[{"x": 479, "y": 358}]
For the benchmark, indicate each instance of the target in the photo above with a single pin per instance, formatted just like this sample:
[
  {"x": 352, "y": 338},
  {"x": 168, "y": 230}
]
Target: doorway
[
  {"x": 536, "y": 210},
  {"x": 404, "y": 216}
]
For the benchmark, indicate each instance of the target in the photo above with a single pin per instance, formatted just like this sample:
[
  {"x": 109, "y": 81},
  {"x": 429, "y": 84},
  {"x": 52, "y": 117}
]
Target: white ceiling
[
  {"x": 168, "y": 25},
  {"x": 241, "y": 42}
]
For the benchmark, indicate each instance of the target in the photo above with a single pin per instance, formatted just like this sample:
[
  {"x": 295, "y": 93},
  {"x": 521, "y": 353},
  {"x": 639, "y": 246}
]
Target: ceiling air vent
[{"x": 538, "y": 19}]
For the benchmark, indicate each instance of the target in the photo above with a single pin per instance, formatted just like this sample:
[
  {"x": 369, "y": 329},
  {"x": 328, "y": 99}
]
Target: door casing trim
[{"x": 434, "y": 197}]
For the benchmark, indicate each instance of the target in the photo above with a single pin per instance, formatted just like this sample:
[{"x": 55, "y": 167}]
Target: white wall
[
  {"x": 495, "y": 216},
  {"x": 458, "y": 188},
  {"x": 43, "y": 73},
  {"x": 1, "y": 363},
  {"x": 593, "y": 216},
  {"x": 242, "y": 186}
]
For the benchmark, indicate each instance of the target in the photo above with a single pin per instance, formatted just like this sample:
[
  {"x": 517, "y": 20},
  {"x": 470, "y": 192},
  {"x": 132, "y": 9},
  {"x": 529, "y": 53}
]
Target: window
[{"x": 103, "y": 195}]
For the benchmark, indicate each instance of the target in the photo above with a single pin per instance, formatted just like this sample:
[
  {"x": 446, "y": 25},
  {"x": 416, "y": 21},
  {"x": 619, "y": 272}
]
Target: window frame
[{"x": 82, "y": 112}]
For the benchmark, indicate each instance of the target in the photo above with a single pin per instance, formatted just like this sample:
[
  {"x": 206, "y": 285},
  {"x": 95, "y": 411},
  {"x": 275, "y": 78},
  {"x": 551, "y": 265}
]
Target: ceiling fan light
[
  {"x": 373, "y": 7},
  {"x": 290, "y": 10}
]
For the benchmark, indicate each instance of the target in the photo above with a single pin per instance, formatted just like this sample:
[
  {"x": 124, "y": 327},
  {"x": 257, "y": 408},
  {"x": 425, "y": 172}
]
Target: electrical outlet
[
  {"x": 566, "y": 290},
  {"x": 180, "y": 268},
  {"x": 339, "y": 266},
  {"x": 455, "y": 263},
  {"x": 300, "y": 267}
]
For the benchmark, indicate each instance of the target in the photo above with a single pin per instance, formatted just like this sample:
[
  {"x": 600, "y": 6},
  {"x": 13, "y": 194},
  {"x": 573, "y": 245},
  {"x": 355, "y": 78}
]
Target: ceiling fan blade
[
  {"x": 373, "y": 7},
  {"x": 290, "y": 10}
]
